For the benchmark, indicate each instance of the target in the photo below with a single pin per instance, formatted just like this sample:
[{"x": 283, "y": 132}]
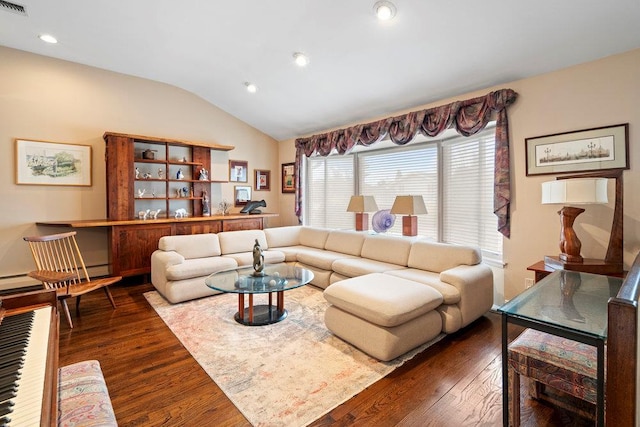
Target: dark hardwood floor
[{"x": 153, "y": 381}]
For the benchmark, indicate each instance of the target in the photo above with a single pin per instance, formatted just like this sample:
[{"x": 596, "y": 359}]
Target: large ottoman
[{"x": 381, "y": 315}]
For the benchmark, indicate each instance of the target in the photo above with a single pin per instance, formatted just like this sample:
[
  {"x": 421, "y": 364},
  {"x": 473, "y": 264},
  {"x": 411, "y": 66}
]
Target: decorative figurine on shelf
[
  {"x": 137, "y": 173},
  {"x": 154, "y": 214},
  {"x": 141, "y": 192},
  {"x": 206, "y": 211},
  {"x": 179, "y": 175},
  {"x": 160, "y": 173},
  {"x": 252, "y": 206},
  {"x": 258, "y": 260},
  {"x": 146, "y": 175},
  {"x": 204, "y": 175},
  {"x": 184, "y": 192},
  {"x": 224, "y": 207},
  {"x": 181, "y": 213},
  {"x": 178, "y": 192},
  {"x": 144, "y": 214}
]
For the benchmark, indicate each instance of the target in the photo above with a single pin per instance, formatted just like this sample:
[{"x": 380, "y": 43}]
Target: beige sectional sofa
[{"x": 458, "y": 285}]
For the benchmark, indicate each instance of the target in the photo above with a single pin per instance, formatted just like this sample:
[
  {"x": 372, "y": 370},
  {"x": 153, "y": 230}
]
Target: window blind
[
  {"x": 330, "y": 185},
  {"x": 388, "y": 173}
]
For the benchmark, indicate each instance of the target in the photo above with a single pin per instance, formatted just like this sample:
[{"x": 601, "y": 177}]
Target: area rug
[{"x": 285, "y": 374}]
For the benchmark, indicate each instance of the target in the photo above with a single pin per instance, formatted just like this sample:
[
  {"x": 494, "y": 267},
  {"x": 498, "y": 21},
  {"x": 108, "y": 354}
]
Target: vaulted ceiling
[{"x": 360, "y": 67}]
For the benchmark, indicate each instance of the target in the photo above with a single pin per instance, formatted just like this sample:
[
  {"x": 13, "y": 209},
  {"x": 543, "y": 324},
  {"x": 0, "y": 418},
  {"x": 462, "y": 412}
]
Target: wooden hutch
[{"x": 149, "y": 173}]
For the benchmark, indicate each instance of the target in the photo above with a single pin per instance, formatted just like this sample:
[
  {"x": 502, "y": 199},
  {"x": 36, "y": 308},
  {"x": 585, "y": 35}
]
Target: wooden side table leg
[{"x": 250, "y": 308}]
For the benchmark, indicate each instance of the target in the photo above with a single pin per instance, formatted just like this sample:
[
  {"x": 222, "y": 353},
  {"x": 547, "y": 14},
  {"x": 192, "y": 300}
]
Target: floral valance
[{"x": 467, "y": 117}]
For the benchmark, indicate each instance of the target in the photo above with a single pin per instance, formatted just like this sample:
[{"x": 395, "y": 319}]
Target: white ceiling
[{"x": 360, "y": 68}]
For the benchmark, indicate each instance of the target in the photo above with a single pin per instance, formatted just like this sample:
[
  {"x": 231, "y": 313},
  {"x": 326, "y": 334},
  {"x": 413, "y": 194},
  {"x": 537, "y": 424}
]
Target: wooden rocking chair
[{"x": 60, "y": 266}]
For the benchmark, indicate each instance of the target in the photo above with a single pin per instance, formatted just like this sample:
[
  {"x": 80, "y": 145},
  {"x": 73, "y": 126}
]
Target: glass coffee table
[{"x": 277, "y": 279}]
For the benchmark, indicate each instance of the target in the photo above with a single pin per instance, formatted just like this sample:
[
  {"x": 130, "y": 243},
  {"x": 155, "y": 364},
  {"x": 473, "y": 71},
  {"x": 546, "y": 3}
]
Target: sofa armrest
[
  {"x": 160, "y": 261},
  {"x": 475, "y": 284}
]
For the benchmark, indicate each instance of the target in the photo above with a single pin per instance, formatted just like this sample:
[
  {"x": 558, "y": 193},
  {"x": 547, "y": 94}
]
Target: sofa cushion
[
  {"x": 390, "y": 249},
  {"x": 232, "y": 242},
  {"x": 321, "y": 259},
  {"x": 346, "y": 242},
  {"x": 199, "y": 267},
  {"x": 383, "y": 300},
  {"x": 438, "y": 257},
  {"x": 450, "y": 293},
  {"x": 192, "y": 246},
  {"x": 246, "y": 258},
  {"x": 283, "y": 236},
  {"x": 353, "y": 267},
  {"x": 313, "y": 237}
]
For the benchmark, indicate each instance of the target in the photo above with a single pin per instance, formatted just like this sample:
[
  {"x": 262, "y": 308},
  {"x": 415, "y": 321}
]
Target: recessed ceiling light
[
  {"x": 301, "y": 59},
  {"x": 384, "y": 10},
  {"x": 251, "y": 88},
  {"x": 48, "y": 38}
]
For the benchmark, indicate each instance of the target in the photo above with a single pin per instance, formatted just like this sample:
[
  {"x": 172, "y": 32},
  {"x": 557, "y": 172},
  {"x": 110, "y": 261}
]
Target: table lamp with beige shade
[
  {"x": 361, "y": 205},
  {"x": 410, "y": 206}
]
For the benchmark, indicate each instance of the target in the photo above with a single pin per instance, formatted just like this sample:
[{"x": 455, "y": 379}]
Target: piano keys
[{"x": 29, "y": 359}]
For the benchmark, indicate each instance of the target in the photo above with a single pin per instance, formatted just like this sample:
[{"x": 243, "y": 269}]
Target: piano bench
[{"x": 83, "y": 398}]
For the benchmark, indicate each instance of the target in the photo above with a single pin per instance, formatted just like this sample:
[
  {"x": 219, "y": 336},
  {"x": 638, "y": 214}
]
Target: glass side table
[{"x": 568, "y": 304}]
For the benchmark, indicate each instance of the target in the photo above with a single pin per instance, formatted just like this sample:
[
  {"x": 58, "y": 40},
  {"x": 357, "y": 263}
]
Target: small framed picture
[
  {"x": 288, "y": 178},
  {"x": 242, "y": 194},
  {"x": 262, "y": 180},
  {"x": 238, "y": 170}
]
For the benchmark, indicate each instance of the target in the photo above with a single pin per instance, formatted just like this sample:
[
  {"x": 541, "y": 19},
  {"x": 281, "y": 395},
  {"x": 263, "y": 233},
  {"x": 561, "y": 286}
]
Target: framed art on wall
[
  {"x": 262, "y": 180},
  {"x": 242, "y": 194},
  {"x": 238, "y": 170},
  {"x": 52, "y": 163},
  {"x": 288, "y": 178},
  {"x": 587, "y": 150}
]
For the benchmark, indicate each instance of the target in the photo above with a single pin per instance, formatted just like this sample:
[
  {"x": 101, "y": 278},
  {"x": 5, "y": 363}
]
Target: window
[{"x": 454, "y": 176}]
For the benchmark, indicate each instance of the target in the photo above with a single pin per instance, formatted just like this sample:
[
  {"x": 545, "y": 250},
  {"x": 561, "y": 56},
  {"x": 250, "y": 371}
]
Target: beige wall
[
  {"x": 51, "y": 100},
  {"x": 599, "y": 93}
]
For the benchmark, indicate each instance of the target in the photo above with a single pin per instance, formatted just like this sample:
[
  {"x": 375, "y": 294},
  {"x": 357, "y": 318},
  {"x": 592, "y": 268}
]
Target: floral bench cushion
[
  {"x": 558, "y": 362},
  {"x": 83, "y": 398}
]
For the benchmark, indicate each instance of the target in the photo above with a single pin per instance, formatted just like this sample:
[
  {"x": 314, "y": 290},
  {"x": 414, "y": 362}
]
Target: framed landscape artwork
[
  {"x": 238, "y": 171},
  {"x": 596, "y": 149},
  {"x": 288, "y": 178},
  {"x": 52, "y": 163},
  {"x": 262, "y": 180}
]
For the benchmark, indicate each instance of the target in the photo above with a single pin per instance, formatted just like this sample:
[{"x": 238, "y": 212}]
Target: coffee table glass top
[
  {"x": 568, "y": 299},
  {"x": 277, "y": 278}
]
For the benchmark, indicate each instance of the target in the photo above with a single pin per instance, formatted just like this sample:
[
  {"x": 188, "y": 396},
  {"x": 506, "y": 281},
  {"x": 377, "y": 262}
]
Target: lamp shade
[
  {"x": 362, "y": 204},
  {"x": 575, "y": 191},
  {"x": 409, "y": 205}
]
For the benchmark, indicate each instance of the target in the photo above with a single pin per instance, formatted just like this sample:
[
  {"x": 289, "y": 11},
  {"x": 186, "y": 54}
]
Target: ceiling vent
[{"x": 12, "y": 7}]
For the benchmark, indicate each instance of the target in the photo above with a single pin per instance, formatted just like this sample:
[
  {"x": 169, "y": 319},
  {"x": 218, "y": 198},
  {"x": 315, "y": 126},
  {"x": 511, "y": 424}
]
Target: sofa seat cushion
[
  {"x": 322, "y": 259},
  {"x": 246, "y": 258},
  {"x": 382, "y": 299},
  {"x": 199, "y": 267},
  {"x": 450, "y": 293},
  {"x": 353, "y": 267}
]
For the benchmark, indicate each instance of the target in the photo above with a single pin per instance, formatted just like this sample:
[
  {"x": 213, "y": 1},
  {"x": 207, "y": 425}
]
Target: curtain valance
[{"x": 467, "y": 117}]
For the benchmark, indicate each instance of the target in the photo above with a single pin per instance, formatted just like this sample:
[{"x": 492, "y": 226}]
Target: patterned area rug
[{"x": 286, "y": 374}]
